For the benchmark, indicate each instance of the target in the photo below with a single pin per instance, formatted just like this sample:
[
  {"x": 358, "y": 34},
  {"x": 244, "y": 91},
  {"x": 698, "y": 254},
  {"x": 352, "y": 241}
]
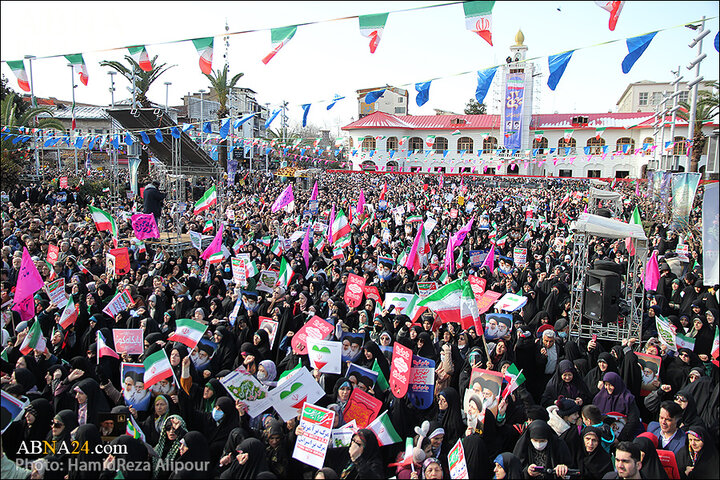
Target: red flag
[{"x": 400, "y": 370}]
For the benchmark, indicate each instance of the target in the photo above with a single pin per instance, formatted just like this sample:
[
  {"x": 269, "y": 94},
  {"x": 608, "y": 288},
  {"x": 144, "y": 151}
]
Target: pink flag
[
  {"x": 630, "y": 246},
  {"x": 637, "y": 188},
  {"x": 449, "y": 256},
  {"x": 29, "y": 280},
  {"x": 306, "y": 248},
  {"x": 314, "y": 192},
  {"x": 144, "y": 226},
  {"x": 215, "y": 245},
  {"x": 652, "y": 273},
  {"x": 285, "y": 198},
  {"x": 332, "y": 220},
  {"x": 413, "y": 259},
  {"x": 361, "y": 204},
  {"x": 26, "y": 308},
  {"x": 490, "y": 259},
  {"x": 459, "y": 237}
]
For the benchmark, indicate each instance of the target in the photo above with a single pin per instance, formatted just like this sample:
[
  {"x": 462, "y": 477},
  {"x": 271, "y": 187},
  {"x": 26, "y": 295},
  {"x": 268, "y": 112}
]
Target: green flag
[
  {"x": 636, "y": 220},
  {"x": 381, "y": 380}
]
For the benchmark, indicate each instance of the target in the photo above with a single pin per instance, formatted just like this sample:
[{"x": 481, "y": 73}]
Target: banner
[
  {"x": 144, "y": 226},
  {"x": 486, "y": 385},
  {"x": 684, "y": 186},
  {"x": 128, "y": 340},
  {"x": 497, "y": 325},
  {"x": 422, "y": 382},
  {"x": 293, "y": 392},
  {"x": 477, "y": 285},
  {"x": 324, "y": 355},
  {"x": 512, "y": 126},
  {"x": 456, "y": 462},
  {"x": 511, "y": 302},
  {"x": 267, "y": 281},
  {"x": 270, "y": 326},
  {"x": 400, "y": 300},
  {"x": 134, "y": 392},
  {"x": 239, "y": 272},
  {"x": 245, "y": 387},
  {"x": 341, "y": 437},
  {"x": 477, "y": 257},
  {"x": 425, "y": 289},
  {"x": 358, "y": 372},
  {"x": 520, "y": 256},
  {"x": 354, "y": 290},
  {"x": 666, "y": 333},
  {"x": 53, "y": 254},
  {"x": 372, "y": 293},
  {"x": 400, "y": 370},
  {"x": 316, "y": 328},
  {"x": 316, "y": 424},
  {"x": 487, "y": 300},
  {"x": 361, "y": 407},
  {"x": 650, "y": 365},
  {"x": 710, "y": 240},
  {"x": 56, "y": 292},
  {"x": 122, "y": 260},
  {"x": 665, "y": 182},
  {"x": 351, "y": 345},
  {"x": 119, "y": 303},
  {"x": 63, "y": 182}
]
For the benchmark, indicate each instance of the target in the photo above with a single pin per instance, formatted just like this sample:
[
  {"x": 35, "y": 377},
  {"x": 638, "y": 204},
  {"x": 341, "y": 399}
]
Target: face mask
[
  {"x": 217, "y": 414},
  {"x": 261, "y": 376},
  {"x": 227, "y": 269},
  {"x": 539, "y": 445},
  {"x": 563, "y": 334}
]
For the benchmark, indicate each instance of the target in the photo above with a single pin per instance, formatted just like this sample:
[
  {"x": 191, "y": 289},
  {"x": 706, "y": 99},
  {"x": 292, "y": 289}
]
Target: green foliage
[
  {"x": 143, "y": 79},
  {"x": 708, "y": 104},
  {"x": 474, "y": 108}
]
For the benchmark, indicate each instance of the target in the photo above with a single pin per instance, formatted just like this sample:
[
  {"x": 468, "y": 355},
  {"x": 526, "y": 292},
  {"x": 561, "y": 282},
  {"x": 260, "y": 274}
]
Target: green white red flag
[
  {"x": 286, "y": 274},
  {"x": 514, "y": 377},
  {"x": 715, "y": 353},
  {"x": 446, "y": 302},
  {"x": 384, "y": 430},
  {"x": 18, "y": 68},
  {"x": 469, "y": 313},
  {"x": 34, "y": 340},
  {"x": 341, "y": 230},
  {"x": 372, "y": 26},
  {"x": 478, "y": 18},
  {"x": 69, "y": 314},
  {"x": 103, "y": 350},
  {"x": 103, "y": 221},
  {"x": 208, "y": 199},
  {"x": 204, "y": 47},
  {"x": 76, "y": 60},
  {"x": 141, "y": 57},
  {"x": 279, "y": 37},
  {"x": 188, "y": 332},
  {"x": 157, "y": 367}
]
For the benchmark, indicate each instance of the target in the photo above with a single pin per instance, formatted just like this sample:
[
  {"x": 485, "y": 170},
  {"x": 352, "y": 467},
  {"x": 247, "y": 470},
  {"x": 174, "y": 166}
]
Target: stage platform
[{"x": 171, "y": 242}]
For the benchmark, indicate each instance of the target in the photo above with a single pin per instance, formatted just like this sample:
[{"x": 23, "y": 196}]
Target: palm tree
[
  {"x": 222, "y": 87},
  {"x": 706, "y": 111},
  {"x": 12, "y": 154},
  {"x": 143, "y": 79}
]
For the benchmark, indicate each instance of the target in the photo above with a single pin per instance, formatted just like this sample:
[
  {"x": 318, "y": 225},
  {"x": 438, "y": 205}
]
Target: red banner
[
  {"x": 354, "y": 290},
  {"x": 487, "y": 300},
  {"x": 478, "y": 287},
  {"x": 316, "y": 327},
  {"x": 373, "y": 293},
  {"x": 400, "y": 369},
  {"x": 361, "y": 407},
  {"x": 53, "y": 254},
  {"x": 122, "y": 260},
  {"x": 63, "y": 182}
]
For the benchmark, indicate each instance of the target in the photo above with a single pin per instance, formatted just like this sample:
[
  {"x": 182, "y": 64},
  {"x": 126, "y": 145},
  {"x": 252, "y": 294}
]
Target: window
[
  {"x": 490, "y": 171},
  {"x": 368, "y": 144},
  {"x": 416, "y": 144},
  {"x": 565, "y": 173},
  {"x": 489, "y": 144},
  {"x": 464, "y": 170},
  {"x": 620, "y": 146},
  {"x": 542, "y": 144},
  {"x": 368, "y": 165},
  {"x": 465, "y": 143},
  {"x": 392, "y": 144},
  {"x": 680, "y": 147},
  {"x": 643, "y": 98},
  {"x": 458, "y": 121},
  {"x": 441, "y": 144},
  {"x": 648, "y": 141},
  {"x": 569, "y": 144},
  {"x": 401, "y": 99},
  {"x": 596, "y": 145},
  {"x": 622, "y": 174},
  {"x": 656, "y": 98},
  {"x": 683, "y": 97},
  {"x": 593, "y": 173},
  {"x": 392, "y": 166},
  {"x": 439, "y": 169},
  {"x": 400, "y": 110}
]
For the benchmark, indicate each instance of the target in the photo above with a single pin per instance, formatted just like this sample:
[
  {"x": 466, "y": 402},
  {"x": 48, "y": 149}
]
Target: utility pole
[
  {"x": 113, "y": 154},
  {"x": 202, "y": 120},
  {"x": 663, "y": 114},
  {"x": 283, "y": 120},
  {"x": 72, "y": 78},
  {"x": 34, "y": 123},
  {"x": 694, "y": 84},
  {"x": 167, "y": 92},
  {"x": 675, "y": 95}
]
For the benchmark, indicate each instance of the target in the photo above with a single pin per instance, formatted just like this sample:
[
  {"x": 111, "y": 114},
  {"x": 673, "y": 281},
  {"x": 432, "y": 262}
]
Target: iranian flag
[
  {"x": 384, "y": 191},
  {"x": 384, "y": 430},
  {"x": 76, "y": 60},
  {"x": 374, "y": 241},
  {"x": 204, "y": 47},
  {"x": 103, "y": 221},
  {"x": 141, "y": 57},
  {"x": 69, "y": 314},
  {"x": 446, "y": 302},
  {"x": 443, "y": 277},
  {"x": 208, "y": 199},
  {"x": 277, "y": 248},
  {"x": 469, "y": 313},
  {"x": 430, "y": 141},
  {"x": 614, "y": 7},
  {"x": 157, "y": 367},
  {"x": 636, "y": 218},
  {"x": 34, "y": 340},
  {"x": 341, "y": 230},
  {"x": 372, "y": 26},
  {"x": 338, "y": 254},
  {"x": 286, "y": 274},
  {"x": 319, "y": 243},
  {"x": 567, "y": 135},
  {"x": 279, "y": 37},
  {"x": 715, "y": 353},
  {"x": 103, "y": 350},
  {"x": 216, "y": 258},
  {"x": 599, "y": 132},
  {"x": 251, "y": 269},
  {"x": 413, "y": 309},
  {"x": 208, "y": 227},
  {"x": 134, "y": 430},
  {"x": 538, "y": 135},
  {"x": 266, "y": 240},
  {"x": 682, "y": 341},
  {"x": 18, "y": 68},
  {"x": 478, "y": 18},
  {"x": 514, "y": 377},
  {"x": 365, "y": 224},
  {"x": 188, "y": 332}
]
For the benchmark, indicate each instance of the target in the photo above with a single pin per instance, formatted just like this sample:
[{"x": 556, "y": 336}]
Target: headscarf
[
  {"x": 510, "y": 463},
  {"x": 620, "y": 400},
  {"x": 556, "y": 452},
  {"x": 172, "y": 449},
  {"x": 255, "y": 464},
  {"x": 197, "y": 455},
  {"x": 597, "y": 463},
  {"x": 651, "y": 465},
  {"x": 452, "y": 420},
  {"x": 43, "y": 412},
  {"x": 705, "y": 464}
]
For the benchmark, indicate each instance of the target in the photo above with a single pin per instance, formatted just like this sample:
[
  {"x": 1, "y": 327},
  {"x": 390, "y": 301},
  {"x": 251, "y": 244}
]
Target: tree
[
  {"x": 14, "y": 155},
  {"x": 20, "y": 104},
  {"x": 474, "y": 108},
  {"x": 706, "y": 111},
  {"x": 219, "y": 82}
]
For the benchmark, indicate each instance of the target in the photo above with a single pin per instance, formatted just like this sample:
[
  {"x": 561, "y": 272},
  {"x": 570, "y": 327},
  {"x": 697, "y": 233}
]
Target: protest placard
[
  {"x": 316, "y": 327},
  {"x": 457, "y": 463},
  {"x": 316, "y": 424},
  {"x": 422, "y": 382},
  {"x": 243, "y": 386},
  {"x": 119, "y": 303},
  {"x": 361, "y": 407},
  {"x": 324, "y": 355},
  {"x": 128, "y": 340},
  {"x": 56, "y": 292},
  {"x": 293, "y": 391}
]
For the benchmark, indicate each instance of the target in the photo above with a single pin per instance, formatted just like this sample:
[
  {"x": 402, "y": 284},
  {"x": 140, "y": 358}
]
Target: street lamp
[
  {"x": 36, "y": 154},
  {"x": 72, "y": 78},
  {"x": 698, "y": 40},
  {"x": 202, "y": 119},
  {"x": 167, "y": 89}
]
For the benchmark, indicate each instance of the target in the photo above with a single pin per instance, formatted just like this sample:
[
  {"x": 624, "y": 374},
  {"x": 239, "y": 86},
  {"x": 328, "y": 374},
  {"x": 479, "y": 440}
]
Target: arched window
[
  {"x": 620, "y": 146},
  {"x": 489, "y": 144},
  {"x": 416, "y": 144},
  {"x": 565, "y": 144},
  {"x": 368, "y": 144},
  {"x": 368, "y": 165},
  {"x": 596, "y": 145},
  {"x": 392, "y": 144},
  {"x": 464, "y": 143},
  {"x": 680, "y": 147},
  {"x": 649, "y": 141},
  {"x": 542, "y": 144},
  {"x": 441, "y": 144},
  {"x": 392, "y": 166}
]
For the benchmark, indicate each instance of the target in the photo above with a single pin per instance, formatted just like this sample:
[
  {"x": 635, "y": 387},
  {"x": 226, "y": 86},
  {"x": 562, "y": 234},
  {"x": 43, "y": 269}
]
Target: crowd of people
[{"x": 588, "y": 409}]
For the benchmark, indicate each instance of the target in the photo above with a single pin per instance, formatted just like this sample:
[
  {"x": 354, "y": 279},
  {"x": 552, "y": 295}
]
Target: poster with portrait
[
  {"x": 422, "y": 382},
  {"x": 351, "y": 346},
  {"x": 497, "y": 325},
  {"x": 650, "y": 365},
  {"x": 271, "y": 327},
  {"x": 133, "y": 390},
  {"x": 486, "y": 384}
]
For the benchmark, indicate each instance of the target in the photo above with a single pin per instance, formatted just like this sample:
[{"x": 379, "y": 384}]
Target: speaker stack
[{"x": 602, "y": 293}]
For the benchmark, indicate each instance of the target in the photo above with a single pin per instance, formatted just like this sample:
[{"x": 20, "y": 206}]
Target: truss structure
[
  {"x": 605, "y": 199},
  {"x": 632, "y": 292}
]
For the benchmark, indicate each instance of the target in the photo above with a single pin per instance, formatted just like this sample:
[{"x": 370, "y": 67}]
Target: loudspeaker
[
  {"x": 602, "y": 293},
  {"x": 608, "y": 266},
  {"x": 604, "y": 212}
]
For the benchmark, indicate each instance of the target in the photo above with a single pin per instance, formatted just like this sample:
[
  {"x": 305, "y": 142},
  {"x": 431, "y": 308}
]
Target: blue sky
[{"x": 332, "y": 57}]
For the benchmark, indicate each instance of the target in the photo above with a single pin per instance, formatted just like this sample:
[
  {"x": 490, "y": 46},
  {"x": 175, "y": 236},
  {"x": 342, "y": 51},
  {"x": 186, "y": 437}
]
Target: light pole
[
  {"x": 202, "y": 120},
  {"x": 694, "y": 84},
  {"x": 34, "y": 123},
  {"x": 72, "y": 78},
  {"x": 167, "y": 89},
  {"x": 113, "y": 154},
  {"x": 675, "y": 95}
]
